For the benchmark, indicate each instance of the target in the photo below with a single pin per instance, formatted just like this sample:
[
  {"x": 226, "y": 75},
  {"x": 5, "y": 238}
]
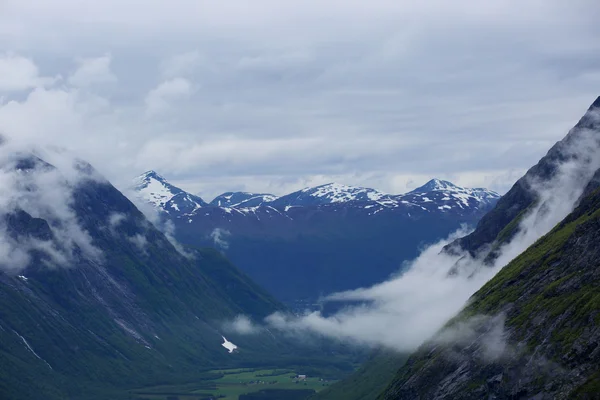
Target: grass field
[{"x": 232, "y": 383}]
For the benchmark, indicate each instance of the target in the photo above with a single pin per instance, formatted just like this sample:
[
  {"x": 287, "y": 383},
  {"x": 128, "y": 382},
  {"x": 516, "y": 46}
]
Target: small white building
[{"x": 301, "y": 377}]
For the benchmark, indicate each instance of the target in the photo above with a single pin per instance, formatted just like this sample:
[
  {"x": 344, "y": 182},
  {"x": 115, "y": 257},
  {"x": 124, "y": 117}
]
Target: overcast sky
[{"x": 272, "y": 96}]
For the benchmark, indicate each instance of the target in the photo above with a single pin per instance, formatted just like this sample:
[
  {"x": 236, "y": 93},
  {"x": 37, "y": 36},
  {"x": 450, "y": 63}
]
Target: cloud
[
  {"x": 140, "y": 241},
  {"x": 375, "y": 96},
  {"x": 220, "y": 238},
  {"x": 406, "y": 310},
  {"x": 164, "y": 95},
  {"x": 19, "y": 73},
  {"x": 243, "y": 326},
  {"x": 181, "y": 64},
  {"x": 115, "y": 219},
  {"x": 484, "y": 335},
  {"x": 91, "y": 71},
  {"x": 43, "y": 192}
]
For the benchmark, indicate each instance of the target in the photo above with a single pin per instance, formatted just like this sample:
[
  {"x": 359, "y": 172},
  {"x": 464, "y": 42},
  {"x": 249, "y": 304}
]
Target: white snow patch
[{"x": 228, "y": 345}]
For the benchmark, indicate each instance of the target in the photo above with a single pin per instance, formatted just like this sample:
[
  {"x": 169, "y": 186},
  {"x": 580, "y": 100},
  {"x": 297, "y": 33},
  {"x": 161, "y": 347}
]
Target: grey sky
[{"x": 272, "y": 96}]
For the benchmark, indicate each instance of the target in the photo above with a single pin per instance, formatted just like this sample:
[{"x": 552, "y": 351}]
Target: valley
[{"x": 230, "y": 384}]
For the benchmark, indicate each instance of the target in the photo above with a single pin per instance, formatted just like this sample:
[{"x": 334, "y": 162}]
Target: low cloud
[
  {"x": 163, "y": 97},
  {"x": 220, "y": 237},
  {"x": 242, "y": 325},
  {"x": 140, "y": 241},
  {"x": 488, "y": 333},
  {"x": 20, "y": 73},
  {"x": 45, "y": 192},
  {"x": 92, "y": 71}
]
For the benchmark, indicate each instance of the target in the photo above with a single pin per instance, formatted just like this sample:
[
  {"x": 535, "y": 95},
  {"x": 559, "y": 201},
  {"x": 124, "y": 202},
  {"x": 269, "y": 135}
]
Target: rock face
[{"x": 541, "y": 336}]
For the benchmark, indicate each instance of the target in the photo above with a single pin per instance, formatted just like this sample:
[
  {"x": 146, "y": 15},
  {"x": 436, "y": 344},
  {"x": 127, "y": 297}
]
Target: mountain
[
  {"x": 446, "y": 196},
  {"x": 534, "y": 328},
  {"x": 330, "y": 194},
  {"x": 536, "y": 321},
  {"x": 500, "y": 224},
  {"x": 369, "y": 380},
  {"x": 155, "y": 190},
  {"x": 94, "y": 300},
  {"x": 327, "y": 238}
]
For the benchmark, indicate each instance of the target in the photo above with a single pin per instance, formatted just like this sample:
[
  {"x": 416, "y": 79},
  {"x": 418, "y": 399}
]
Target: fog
[{"x": 43, "y": 192}]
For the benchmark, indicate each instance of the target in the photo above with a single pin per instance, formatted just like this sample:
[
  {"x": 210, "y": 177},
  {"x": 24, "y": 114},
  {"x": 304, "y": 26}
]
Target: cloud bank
[{"x": 277, "y": 96}]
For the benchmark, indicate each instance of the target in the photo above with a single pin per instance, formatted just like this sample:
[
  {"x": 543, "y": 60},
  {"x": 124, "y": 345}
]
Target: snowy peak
[
  {"x": 156, "y": 190},
  {"x": 446, "y": 196},
  {"x": 329, "y": 194},
  {"x": 436, "y": 196},
  {"x": 435, "y": 184},
  {"x": 242, "y": 199}
]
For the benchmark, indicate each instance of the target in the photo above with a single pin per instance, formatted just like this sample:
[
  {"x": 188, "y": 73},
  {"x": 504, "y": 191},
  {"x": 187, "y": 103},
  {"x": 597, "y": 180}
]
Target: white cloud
[
  {"x": 44, "y": 193},
  {"x": 220, "y": 238},
  {"x": 166, "y": 94},
  {"x": 242, "y": 325},
  {"x": 374, "y": 95},
  {"x": 181, "y": 64},
  {"x": 140, "y": 241},
  {"x": 20, "y": 73},
  {"x": 91, "y": 71}
]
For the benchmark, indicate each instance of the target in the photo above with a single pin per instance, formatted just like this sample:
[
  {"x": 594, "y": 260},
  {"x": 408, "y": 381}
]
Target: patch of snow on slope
[{"x": 228, "y": 345}]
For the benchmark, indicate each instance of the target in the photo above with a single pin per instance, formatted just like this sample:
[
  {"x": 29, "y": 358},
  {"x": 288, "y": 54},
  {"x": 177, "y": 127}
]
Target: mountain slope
[
  {"x": 496, "y": 225},
  {"x": 95, "y": 300},
  {"x": 369, "y": 380},
  {"x": 542, "y": 334}
]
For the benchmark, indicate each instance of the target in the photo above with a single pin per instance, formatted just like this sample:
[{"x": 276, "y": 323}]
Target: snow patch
[{"x": 228, "y": 345}]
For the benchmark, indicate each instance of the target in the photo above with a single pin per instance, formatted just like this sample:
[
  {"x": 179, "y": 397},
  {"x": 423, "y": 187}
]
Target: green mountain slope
[
  {"x": 370, "y": 379},
  {"x": 542, "y": 334},
  {"x": 137, "y": 313}
]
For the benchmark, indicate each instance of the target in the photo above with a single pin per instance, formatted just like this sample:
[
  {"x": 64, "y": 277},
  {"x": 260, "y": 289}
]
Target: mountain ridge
[{"x": 339, "y": 236}]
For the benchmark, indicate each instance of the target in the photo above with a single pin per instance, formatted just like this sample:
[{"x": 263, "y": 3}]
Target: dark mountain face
[
  {"x": 328, "y": 238},
  {"x": 94, "y": 299}
]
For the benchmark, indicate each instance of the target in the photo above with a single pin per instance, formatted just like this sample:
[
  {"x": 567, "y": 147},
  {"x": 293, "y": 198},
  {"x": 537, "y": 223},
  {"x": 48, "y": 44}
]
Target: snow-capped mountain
[
  {"x": 242, "y": 199},
  {"x": 155, "y": 189},
  {"x": 340, "y": 237},
  {"x": 447, "y": 197},
  {"x": 436, "y": 196},
  {"x": 331, "y": 193}
]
